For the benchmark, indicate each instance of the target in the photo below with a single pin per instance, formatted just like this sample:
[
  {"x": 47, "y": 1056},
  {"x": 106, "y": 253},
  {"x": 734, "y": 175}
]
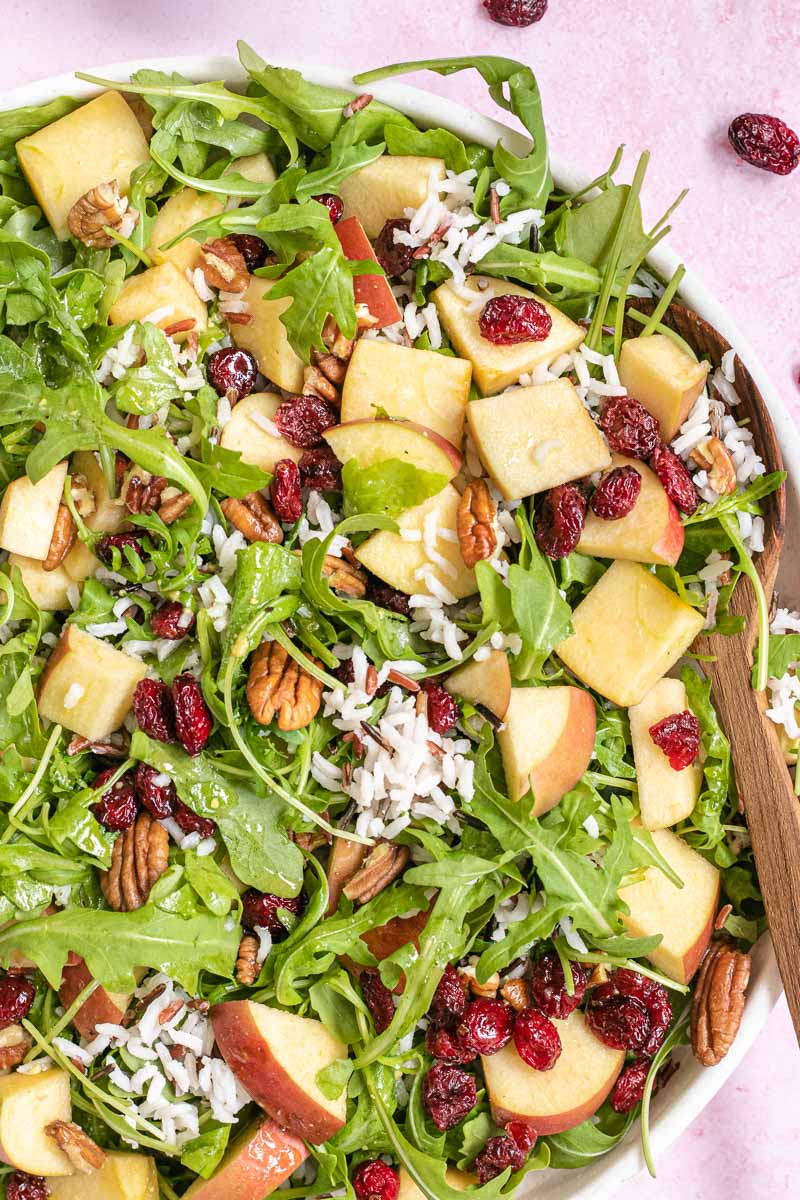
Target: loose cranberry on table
[
  {"x": 442, "y": 708},
  {"x": 448, "y": 1094},
  {"x": 517, "y": 13},
  {"x": 629, "y": 427},
  {"x": 446, "y": 1043},
  {"x": 486, "y": 1024},
  {"x": 171, "y": 621},
  {"x": 629, "y": 1088},
  {"x": 449, "y": 999},
  {"x": 191, "y": 822},
  {"x": 559, "y": 522},
  {"x": 303, "y": 419},
  {"x": 254, "y": 250},
  {"x": 193, "y": 721},
  {"x": 678, "y": 735},
  {"x": 630, "y": 1012},
  {"x": 232, "y": 370},
  {"x": 675, "y": 479},
  {"x": 17, "y": 995},
  {"x": 536, "y": 1039},
  {"x": 154, "y": 709},
  {"x": 616, "y": 493},
  {"x": 155, "y": 791},
  {"x": 509, "y": 320},
  {"x": 375, "y": 1180},
  {"x": 118, "y": 541},
  {"x": 20, "y": 1186},
  {"x": 260, "y": 911},
  {"x": 394, "y": 257},
  {"x": 321, "y": 470},
  {"x": 377, "y": 998},
  {"x": 286, "y": 491},
  {"x": 766, "y": 142},
  {"x": 548, "y": 987},
  {"x": 334, "y": 205},
  {"x": 117, "y": 808}
]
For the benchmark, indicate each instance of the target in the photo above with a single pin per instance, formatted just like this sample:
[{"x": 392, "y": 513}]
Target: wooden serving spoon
[{"x": 762, "y": 778}]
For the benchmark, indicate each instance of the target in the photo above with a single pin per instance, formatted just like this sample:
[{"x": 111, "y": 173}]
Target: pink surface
[{"x": 666, "y": 76}]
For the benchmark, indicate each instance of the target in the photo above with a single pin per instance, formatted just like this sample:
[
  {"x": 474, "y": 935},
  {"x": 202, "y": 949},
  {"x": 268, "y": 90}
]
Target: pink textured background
[{"x": 667, "y": 76}]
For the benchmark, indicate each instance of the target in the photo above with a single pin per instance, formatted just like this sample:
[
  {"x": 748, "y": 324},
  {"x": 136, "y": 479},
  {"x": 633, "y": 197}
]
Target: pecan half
[
  {"x": 344, "y": 576},
  {"x": 344, "y": 860},
  {"x": 317, "y": 383},
  {"x": 84, "y": 1154},
  {"x": 247, "y": 968},
  {"x": 139, "y": 858},
  {"x": 718, "y": 1001},
  {"x": 381, "y": 866},
  {"x": 102, "y": 206},
  {"x": 253, "y": 516},
  {"x": 715, "y": 458},
  {"x": 515, "y": 992},
  {"x": 173, "y": 505},
  {"x": 142, "y": 491},
  {"x": 63, "y": 539},
  {"x": 14, "y": 1045},
  {"x": 487, "y": 989},
  {"x": 223, "y": 265},
  {"x": 339, "y": 345},
  {"x": 477, "y": 538},
  {"x": 277, "y": 684}
]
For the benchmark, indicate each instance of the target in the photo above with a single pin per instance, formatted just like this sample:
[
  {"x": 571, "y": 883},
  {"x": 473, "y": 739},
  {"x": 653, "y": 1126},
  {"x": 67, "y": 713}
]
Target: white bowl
[{"x": 694, "y": 1086}]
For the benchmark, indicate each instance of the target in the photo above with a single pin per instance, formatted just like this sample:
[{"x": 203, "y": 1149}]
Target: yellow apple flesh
[
  {"x": 666, "y": 796},
  {"x": 123, "y": 1176},
  {"x": 254, "y": 1165},
  {"x": 28, "y": 513},
  {"x": 385, "y": 188},
  {"x": 459, "y": 1180},
  {"x": 257, "y": 168},
  {"x": 110, "y": 513},
  {"x": 652, "y": 532},
  {"x": 87, "y": 685},
  {"x": 257, "y": 446},
  {"x": 28, "y": 1104},
  {"x": 547, "y": 742},
  {"x": 370, "y": 442},
  {"x": 266, "y": 338},
  {"x": 162, "y": 291},
  {"x": 47, "y": 589},
  {"x": 485, "y": 681},
  {"x": 662, "y": 377},
  {"x": 179, "y": 213}
]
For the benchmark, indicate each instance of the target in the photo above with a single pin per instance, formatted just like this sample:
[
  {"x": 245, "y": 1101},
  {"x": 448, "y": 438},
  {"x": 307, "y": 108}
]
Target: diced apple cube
[
  {"x": 179, "y": 213},
  {"x": 546, "y": 742},
  {"x": 666, "y": 796},
  {"x": 652, "y": 532},
  {"x": 123, "y": 1176},
  {"x": 418, "y": 385},
  {"x": 371, "y": 442},
  {"x": 533, "y": 438},
  {"x": 629, "y": 631},
  {"x": 662, "y": 377},
  {"x": 28, "y": 513},
  {"x": 246, "y": 433},
  {"x": 497, "y": 367},
  {"x": 403, "y": 563},
  {"x": 47, "y": 589},
  {"x": 96, "y": 143},
  {"x": 385, "y": 188},
  {"x": 81, "y": 563},
  {"x": 255, "y": 1164},
  {"x": 372, "y": 291},
  {"x": 28, "y": 1104},
  {"x": 163, "y": 292},
  {"x": 266, "y": 338},
  {"x": 459, "y": 1180},
  {"x": 87, "y": 685},
  {"x": 485, "y": 681},
  {"x": 109, "y": 513},
  {"x": 257, "y": 168}
]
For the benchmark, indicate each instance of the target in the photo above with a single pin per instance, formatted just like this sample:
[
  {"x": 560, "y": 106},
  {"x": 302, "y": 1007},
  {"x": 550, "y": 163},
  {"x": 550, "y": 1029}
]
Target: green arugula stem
[
  {"x": 35, "y": 780},
  {"x": 128, "y": 244},
  {"x": 64, "y": 1020},
  {"x": 675, "y": 1036},
  {"x": 595, "y": 334},
  {"x": 8, "y": 591},
  {"x": 730, "y": 524},
  {"x": 664, "y": 303}
]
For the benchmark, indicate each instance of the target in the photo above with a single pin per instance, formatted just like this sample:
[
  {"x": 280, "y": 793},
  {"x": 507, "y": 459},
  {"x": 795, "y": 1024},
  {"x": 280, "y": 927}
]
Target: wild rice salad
[{"x": 366, "y": 826}]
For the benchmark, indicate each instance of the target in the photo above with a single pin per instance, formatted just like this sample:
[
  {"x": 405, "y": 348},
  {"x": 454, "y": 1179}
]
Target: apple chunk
[
  {"x": 419, "y": 385},
  {"x": 662, "y": 377},
  {"x": 373, "y": 291},
  {"x": 87, "y": 685},
  {"x": 485, "y": 681},
  {"x": 666, "y": 796},
  {"x": 385, "y": 188},
  {"x": 255, "y": 1164},
  {"x": 181, "y": 212},
  {"x": 266, "y": 337},
  {"x": 371, "y": 442},
  {"x": 683, "y": 916},
  {"x": 652, "y": 532},
  {"x": 47, "y": 589},
  {"x": 162, "y": 291},
  {"x": 109, "y": 513},
  {"x": 101, "y": 1007},
  {"x": 547, "y": 741},
  {"x": 459, "y": 1180},
  {"x": 629, "y": 631},
  {"x": 123, "y": 1176},
  {"x": 28, "y": 1104},
  {"x": 533, "y": 438},
  {"x": 249, "y": 432},
  {"x": 556, "y": 1100},
  {"x": 28, "y": 513},
  {"x": 276, "y": 1056}
]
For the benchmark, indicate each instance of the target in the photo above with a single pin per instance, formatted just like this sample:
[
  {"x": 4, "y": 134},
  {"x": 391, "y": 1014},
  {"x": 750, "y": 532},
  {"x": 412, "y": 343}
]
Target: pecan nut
[
  {"x": 317, "y": 383},
  {"x": 477, "y": 538},
  {"x": 247, "y": 968},
  {"x": 344, "y": 576},
  {"x": 254, "y": 518},
  {"x": 344, "y": 860},
  {"x": 381, "y": 866},
  {"x": 487, "y": 989},
  {"x": 516, "y": 993},
  {"x": 139, "y": 858},
  {"x": 174, "y": 504},
  {"x": 223, "y": 265},
  {"x": 340, "y": 346},
  {"x": 84, "y": 1154},
  {"x": 14, "y": 1045},
  {"x": 100, "y": 208},
  {"x": 142, "y": 492},
  {"x": 716, "y": 459},
  {"x": 63, "y": 539},
  {"x": 718, "y": 1001},
  {"x": 277, "y": 684}
]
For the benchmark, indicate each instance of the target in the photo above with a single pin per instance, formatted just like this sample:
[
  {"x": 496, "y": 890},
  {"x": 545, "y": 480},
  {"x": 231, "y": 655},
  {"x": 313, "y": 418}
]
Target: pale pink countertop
[{"x": 667, "y": 76}]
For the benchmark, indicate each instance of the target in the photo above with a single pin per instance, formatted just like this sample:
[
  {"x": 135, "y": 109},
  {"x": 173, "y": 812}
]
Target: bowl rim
[{"x": 695, "y": 1086}]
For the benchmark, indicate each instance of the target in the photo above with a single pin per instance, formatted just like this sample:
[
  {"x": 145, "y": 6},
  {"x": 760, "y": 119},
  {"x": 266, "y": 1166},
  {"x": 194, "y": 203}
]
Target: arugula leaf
[
  {"x": 580, "y": 1146},
  {"x": 222, "y": 470},
  {"x": 542, "y": 616},
  {"x": 321, "y": 286},
  {"x": 388, "y": 487},
  {"x": 557, "y": 273},
  {"x": 16, "y": 123},
  {"x": 264, "y": 571},
  {"x": 436, "y": 143},
  {"x": 204, "y": 1153},
  {"x": 709, "y": 812},
  {"x": 146, "y": 388},
  {"x": 587, "y": 230},
  {"x": 783, "y": 654}
]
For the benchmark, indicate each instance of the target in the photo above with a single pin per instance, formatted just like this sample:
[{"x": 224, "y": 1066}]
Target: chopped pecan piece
[
  {"x": 14, "y": 1045},
  {"x": 344, "y": 576},
  {"x": 488, "y": 989},
  {"x": 515, "y": 992},
  {"x": 381, "y": 866},
  {"x": 63, "y": 539},
  {"x": 253, "y": 516},
  {"x": 223, "y": 265},
  {"x": 84, "y": 1154},
  {"x": 139, "y": 858},
  {"x": 173, "y": 505},
  {"x": 100, "y": 208},
  {"x": 718, "y": 1001},
  {"x": 246, "y": 969},
  {"x": 339, "y": 345},
  {"x": 277, "y": 684},
  {"x": 477, "y": 538},
  {"x": 142, "y": 492},
  {"x": 317, "y": 383},
  {"x": 715, "y": 458},
  {"x": 344, "y": 860}
]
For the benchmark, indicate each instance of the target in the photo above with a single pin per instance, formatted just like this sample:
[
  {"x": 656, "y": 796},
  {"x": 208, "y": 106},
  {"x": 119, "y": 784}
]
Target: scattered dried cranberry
[
  {"x": 118, "y": 541},
  {"x": 394, "y": 257},
  {"x": 559, "y": 523},
  {"x": 254, "y": 250},
  {"x": 630, "y": 1012},
  {"x": 548, "y": 987},
  {"x": 447, "y": 1044},
  {"x": 498, "y": 1153},
  {"x": 171, "y": 620},
  {"x": 321, "y": 470},
  {"x": 678, "y": 735},
  {"x": 334, "y": 205},
  {"x": 118, "y": 807},
  {"x": 286, "y": 492},
  {"x": 518, "y": 13},
  {"x": 616, "y": 494},
  {"x": 449, "y": 999},
  {"x": 20, "y": 1186},
  {"x": 232, "y": 370},
  {"x": 629, "y": 427},
  {"x": 536, "y": 1039},
  {"x": 157, "y": 796},
  {"x": 765, "y": 142},
  {"x": 675, "y": 479},
  {"x": 345, "y": 672},
  {"x": 154, "y": 709},
  {"x": 442, "y": 708},
  {"x": 193, "y": 721},
  {"x": 303, "y": 419},
  {"x": 448, "y": 1094},
  {"x": 375, "y": 1180},
  {"x": 508, "y": 320},
  {"x": 17, "y": 994},
  {"x": 629, "y": 1088},
  {"x": 191, "y": 822},
  {"x": 388, "y": 597},
  {"x": 260, "y": 911},
  {"x": 487, "y": 1024},
  {"x": 377, "y": 998},
  {"x": 522, "y": 1134}
]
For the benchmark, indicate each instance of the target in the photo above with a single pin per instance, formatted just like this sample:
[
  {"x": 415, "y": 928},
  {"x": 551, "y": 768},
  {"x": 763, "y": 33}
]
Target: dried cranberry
[
  {"x": 448, "y": 1094},
  {"x": 377, "y": 998},
  {"x": 675, "y": 479},
  {"x": 394, "y": 257},
  {"x": 345, "y": 672},
  {"x": 442, "y": 708},
  {"x": 171, "y": 621},
  {"x": 487, "y": 1024},
  {"x": 498, "y": 1153},
  {"x": 17, "y": 994},
  {"x": 629, "y": 1088},
  {"x": 517, "y": 13},
  {"x": 449, "y": 999},
  {"x": 548, "y": 987},
  {"x": 155, "y": 791},
  {"x": 678, "y": 735},
  {"x": 154, "y": 709},
  {"x": 508, "y": 320},
  {"x": 232, "y": 370},
  {"x": 388, "y": 597},
  {"x": 630, "y": 1012},
  {"x": 447, "y": 1044},
  {"x": 191, "y": 822},
  {"x": 522, "y": 1134},
  {"x": 765, "y": 142},
  {"x": 193, "y": 721},
  {"x": 260, "y": 911},
  {"x": 536, "y": 1039},
  {"x": 20, "y": 1186},
  {"x": 629, "y": 427},
  {"x": 303, "y": 419},
  {"x": 616, "y": 494},
  {"x": 559, "y": 523},
  {"x": 334, "y": 205},
  {"x": 254, "y": 250},
  {"x": 118, "y": 541},
  {"x": 375, "y": 1180},
  {"x": 285, "y": 491},
  {"x": 321, "y": 470},
  {"x": 117, "y": 809}
]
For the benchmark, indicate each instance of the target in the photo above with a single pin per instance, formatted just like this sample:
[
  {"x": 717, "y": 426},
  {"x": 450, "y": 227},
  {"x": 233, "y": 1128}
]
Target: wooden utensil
[{"x": 762, "y": 778}]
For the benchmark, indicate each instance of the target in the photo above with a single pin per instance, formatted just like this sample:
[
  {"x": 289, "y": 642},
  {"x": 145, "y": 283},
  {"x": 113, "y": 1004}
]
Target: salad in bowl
[{"x": 367, "y": 827}]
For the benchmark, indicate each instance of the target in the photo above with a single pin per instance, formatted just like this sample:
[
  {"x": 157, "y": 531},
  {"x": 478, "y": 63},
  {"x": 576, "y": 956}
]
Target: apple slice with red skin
[
  {"x": 547, "y": 742},
  {"x": 383, "y": 940},
  {"x": 101, "y": 1007},
  {"x": 372, "y": 290},
  {"x": 255, "y": 1164},
  {"x": 652, "y": 532},
  {"x": 371, "y": 442}
]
